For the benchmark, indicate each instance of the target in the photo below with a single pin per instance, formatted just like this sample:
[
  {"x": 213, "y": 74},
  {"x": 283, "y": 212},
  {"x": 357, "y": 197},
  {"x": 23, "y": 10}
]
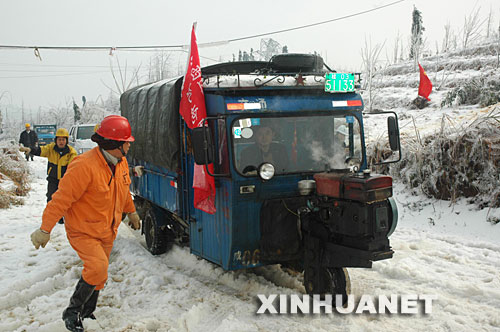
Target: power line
[
  {"x": 45, "y": 65},
  {"x": 55, "y": 75},
  {"x": 318, "y": 23},
  {"x": 183, "y": 48},
  {"x": 41, "y": 71},
  {"x": 89, "y": 48}
]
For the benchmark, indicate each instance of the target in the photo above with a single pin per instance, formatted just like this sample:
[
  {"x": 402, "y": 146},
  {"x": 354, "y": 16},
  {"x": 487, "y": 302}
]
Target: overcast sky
[{"x": 63, "y": 75}]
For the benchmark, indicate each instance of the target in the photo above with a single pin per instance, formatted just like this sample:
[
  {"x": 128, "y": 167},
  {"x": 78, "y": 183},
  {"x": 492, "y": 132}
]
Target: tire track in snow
[
  {"x": 180, "y": 275},
  {"x": 463, "y": 278},
  {"x": 179, "y": 292},
  {"x": 33, "y": 280}
]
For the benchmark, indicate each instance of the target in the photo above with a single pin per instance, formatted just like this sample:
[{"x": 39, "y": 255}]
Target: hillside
[
  {"x": 397, "y": 84},
  {"x": 450, "y": 150}
]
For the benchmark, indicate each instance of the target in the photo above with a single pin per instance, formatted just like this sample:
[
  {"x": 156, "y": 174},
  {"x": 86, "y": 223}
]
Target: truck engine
[{"x": 347, "y": 223}]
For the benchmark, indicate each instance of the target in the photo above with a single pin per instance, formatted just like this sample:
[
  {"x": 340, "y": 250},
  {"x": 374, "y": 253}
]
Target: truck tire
[
  {"x": 333, "y": 280},
  {"x": 155, "y": 235}
]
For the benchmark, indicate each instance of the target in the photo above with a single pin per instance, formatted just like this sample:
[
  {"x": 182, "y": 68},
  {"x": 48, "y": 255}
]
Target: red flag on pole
[
  {"x": 425, "y": 87},
  {"x": 192, "y": 109}
]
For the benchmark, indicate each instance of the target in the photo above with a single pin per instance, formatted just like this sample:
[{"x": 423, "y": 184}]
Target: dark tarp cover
[{"x": 153, "y": 113}]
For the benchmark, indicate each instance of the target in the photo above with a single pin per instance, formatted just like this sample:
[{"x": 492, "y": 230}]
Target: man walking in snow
[
  {"x": 59, "y": 155},
  {"x": 29, "y": 139},
  {"x": 92, "y": 196}
]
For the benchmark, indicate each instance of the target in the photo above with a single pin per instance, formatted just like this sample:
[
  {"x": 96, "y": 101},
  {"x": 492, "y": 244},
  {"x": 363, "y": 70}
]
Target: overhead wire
[
  {"x": 174, "y": 48},
  {"x": 55, "y": 75},
  {"x": 46, "y": 65},
  {"x": 183, "y": 47},
  {"x": 315, "y": 24}
]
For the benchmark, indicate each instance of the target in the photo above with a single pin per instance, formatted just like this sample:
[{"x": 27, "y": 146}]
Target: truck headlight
[{"x": 266, "y": 171}]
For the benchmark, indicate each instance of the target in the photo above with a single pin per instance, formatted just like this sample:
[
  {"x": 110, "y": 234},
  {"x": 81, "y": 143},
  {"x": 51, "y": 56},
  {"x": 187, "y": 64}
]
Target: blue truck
[
  {"x": 46, "y": 133},
  {"x": 309, "y": 202}
]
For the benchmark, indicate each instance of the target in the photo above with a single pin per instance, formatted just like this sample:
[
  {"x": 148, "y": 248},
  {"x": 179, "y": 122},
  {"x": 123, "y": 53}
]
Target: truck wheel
[
  {"x": 334, "y": 280},
  {"x": 156, "y": 239}
]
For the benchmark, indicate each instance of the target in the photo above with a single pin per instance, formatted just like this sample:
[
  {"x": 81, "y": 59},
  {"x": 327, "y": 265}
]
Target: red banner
[
  {"x": 192, "y": 109},
  {"x": 425, "y": 87}
]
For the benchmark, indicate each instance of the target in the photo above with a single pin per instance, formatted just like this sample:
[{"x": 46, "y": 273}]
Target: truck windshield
[
  {"x": 46, "y": 130},
  {"x": 85, "y": 132},
  {"x": 296, "y": 144}
]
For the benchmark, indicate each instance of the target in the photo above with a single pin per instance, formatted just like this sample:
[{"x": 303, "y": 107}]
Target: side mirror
[
  {"x": 393, "y": 130},
  {"x": 203, "y": 148}
]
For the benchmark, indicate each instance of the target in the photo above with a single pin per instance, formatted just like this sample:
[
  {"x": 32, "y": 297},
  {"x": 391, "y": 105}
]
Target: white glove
[
  {"x": 138, "y": 171},
  {"x": 40, "y": 238},
  {"x": 134, "y": 220}
]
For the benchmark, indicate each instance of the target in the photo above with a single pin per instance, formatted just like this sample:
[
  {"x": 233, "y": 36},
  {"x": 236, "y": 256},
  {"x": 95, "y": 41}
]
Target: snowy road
[{"x": 451, "y": 252}]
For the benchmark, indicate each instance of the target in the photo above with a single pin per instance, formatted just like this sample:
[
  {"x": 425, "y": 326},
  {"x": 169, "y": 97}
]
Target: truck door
[
  {"x": 210, "y": 234},
  {"x": 72, "y": 136}
]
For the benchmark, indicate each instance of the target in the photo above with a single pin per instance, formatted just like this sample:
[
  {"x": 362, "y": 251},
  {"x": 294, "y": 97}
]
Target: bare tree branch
[
  {"x": 370, "y": 55},
  {"x": 472, "y": 28}
]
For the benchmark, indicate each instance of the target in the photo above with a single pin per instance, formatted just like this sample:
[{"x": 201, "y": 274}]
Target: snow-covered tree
[
  {"x": 397, "y": 41},
  {"x": 447, "y": 38},
  {"x": 268, "y": 48},
  {"x": 160, "y": 67},
  {"x": 60, "y": 115},
  {"x": 77, "y": 115},
  {"x": 122, "y": 82},
  {"x": 370, "y": 55},
  {"x": 471, "y": 31},
  {"x": 489, "y": 23},
  {"x": 417, "y": 29}
]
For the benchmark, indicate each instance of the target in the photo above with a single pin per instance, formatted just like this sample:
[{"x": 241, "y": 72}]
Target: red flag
[
  {"x": 192, "y": 109},
  {"x": 425, "y": 87}
]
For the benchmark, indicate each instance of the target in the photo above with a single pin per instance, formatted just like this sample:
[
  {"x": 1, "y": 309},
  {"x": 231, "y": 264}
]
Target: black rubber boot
[
  {"x": 90, "y": 306},
  {"x": 72, "y": 315}
]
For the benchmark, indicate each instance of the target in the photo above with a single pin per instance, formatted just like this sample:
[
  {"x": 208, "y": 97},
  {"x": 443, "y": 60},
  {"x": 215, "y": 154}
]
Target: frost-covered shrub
[
  {"x": 490, "y": 95},
  {"x": 476, "y": 91},
  {"x": 455, "y": 163},
  {"x": 13, "y": 168},
  {"x": 467, "y": 93}
]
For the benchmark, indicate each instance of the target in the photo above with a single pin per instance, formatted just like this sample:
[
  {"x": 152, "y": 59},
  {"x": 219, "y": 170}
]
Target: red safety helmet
[{"x": 115, "y": 127}]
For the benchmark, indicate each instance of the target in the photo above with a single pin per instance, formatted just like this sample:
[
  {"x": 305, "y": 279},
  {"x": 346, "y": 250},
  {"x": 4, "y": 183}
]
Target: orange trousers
[{"x": 95, "y": 256}]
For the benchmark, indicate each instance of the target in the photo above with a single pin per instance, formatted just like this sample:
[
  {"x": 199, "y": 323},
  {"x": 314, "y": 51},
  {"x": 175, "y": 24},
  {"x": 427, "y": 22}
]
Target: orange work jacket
[{"x": 90, "y": 197}]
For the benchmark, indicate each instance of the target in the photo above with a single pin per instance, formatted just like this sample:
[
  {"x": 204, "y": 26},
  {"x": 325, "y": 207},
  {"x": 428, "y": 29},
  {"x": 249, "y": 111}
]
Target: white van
[{"x": 79, "y": 137}]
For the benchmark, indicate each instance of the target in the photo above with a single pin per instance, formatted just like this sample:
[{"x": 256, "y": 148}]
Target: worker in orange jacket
[{"x": 92, "y": 196}]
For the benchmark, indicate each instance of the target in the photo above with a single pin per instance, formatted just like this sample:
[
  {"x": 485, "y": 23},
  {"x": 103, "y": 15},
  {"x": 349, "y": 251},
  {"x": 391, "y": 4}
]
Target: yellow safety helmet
[
  {"x": 62, "y": 132},
  {"x": 27, "y": 125}
]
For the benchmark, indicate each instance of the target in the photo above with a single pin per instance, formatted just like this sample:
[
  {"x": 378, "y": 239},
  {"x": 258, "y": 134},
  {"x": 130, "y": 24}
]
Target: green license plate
[{"x": 339, "y": 82}]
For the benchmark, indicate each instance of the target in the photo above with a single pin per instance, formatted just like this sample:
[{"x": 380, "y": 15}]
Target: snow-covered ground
[{"x": 443, "y": 250}]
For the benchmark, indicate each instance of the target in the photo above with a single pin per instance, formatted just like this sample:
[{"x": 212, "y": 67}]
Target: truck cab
[
  {"x": 46, "y": 133},
  {"x": 286, "y": 140},
  {"x": 79, "y": 137}
]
